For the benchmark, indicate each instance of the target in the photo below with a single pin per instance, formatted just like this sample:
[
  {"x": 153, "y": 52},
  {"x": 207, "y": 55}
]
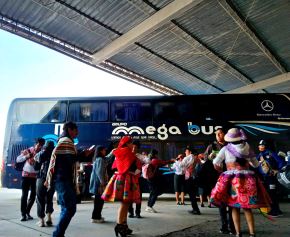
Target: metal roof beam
[
  {"x": 243, "y": 26},
  {"x": 261, "y": 84},
  {"x": 164, "y": 15}
]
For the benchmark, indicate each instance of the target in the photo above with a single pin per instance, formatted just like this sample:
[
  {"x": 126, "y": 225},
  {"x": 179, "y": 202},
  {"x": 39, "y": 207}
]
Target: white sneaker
[
  {"x": 40, "y": 223},
  {"x": 102, "y": 220},
  {"x": 150, "y": 210}
]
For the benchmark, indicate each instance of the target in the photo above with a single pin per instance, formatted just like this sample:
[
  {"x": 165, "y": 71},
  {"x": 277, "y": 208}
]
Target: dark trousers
[
  {"x": 27, "y": 184},
  {"x": 66, "y": 196},
  {"x": 98, "y": 207},
  {"x": 271, "y": 185},
  {"x": 226, "y": 219},
  {"x": 138, "y": 207},
  {"x": 191, "y": 189},
  {"x": 155, "y": 191},
  {"x": 44, "y": 198}
]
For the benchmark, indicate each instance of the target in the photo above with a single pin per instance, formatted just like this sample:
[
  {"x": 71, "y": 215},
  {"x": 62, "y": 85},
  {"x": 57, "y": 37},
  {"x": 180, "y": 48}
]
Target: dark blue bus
[{"x": 166, "y": 123}]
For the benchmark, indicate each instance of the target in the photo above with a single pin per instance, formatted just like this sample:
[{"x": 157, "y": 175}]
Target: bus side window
[
  {"x": 56, "y": 114},
  {"x": 85, "y": 112},
  {"x": 88, "y": 111},
  {"x": 166, "y": 111},
  {"x": 100, "y": 111},
  {"x": 131, "y": 111}
]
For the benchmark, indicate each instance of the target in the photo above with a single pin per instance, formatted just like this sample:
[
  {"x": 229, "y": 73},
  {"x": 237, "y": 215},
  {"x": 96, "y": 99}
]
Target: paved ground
[{"x": 171, "y": 220}]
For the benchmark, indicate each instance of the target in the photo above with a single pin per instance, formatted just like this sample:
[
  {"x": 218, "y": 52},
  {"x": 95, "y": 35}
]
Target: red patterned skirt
[
  {"x": 239, "y": 189},
  {"x": 123, "y": 187}
]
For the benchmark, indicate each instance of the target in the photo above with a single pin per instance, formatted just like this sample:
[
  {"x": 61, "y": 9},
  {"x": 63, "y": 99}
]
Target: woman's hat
[{"x": 234, "y": 135}]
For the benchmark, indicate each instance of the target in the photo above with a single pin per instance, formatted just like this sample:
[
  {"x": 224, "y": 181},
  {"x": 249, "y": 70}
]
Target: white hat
[{"x": 234, "y": 135}]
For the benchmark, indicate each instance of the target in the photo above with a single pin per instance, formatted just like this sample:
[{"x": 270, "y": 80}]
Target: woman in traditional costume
[
  {"x": 124, "y": 185},
  {"x": 239, "y": 187}
]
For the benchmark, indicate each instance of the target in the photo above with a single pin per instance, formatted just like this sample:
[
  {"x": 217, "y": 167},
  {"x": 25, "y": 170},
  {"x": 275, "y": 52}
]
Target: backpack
[{"x": 148, "y": 171}]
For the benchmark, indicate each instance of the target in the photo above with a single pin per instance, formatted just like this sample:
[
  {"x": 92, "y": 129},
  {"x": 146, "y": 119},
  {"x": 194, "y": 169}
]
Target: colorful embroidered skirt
[
  {"x": 240, "y": 189},
  {"x": 123, "y": 187}
]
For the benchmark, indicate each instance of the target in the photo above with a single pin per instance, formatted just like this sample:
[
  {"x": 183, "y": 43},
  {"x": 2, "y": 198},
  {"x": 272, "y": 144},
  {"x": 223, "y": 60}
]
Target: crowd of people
[{"x": 227, "y": 173}]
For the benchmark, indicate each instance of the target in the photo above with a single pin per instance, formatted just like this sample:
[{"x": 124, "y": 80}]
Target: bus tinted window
[
  {"x": 88, "y": 111},
  {"x": 131, "y": 111},
  {"x": 40, "y": 111},
  {"x": 166, "y": 111}
]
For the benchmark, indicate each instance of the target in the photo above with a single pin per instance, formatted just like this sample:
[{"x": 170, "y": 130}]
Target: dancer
[
  {"x": 124, "y": 184},
  {"x": 239, "y": 187}
]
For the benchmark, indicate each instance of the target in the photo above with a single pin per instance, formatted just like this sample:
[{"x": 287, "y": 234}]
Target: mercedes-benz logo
[{"x": 267, "y": 105}]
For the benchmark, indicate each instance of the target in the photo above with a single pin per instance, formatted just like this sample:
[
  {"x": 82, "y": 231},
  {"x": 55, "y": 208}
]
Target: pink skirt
[
  {"x": 122, "y": 187},
  {"x": 239, "y": 189}
]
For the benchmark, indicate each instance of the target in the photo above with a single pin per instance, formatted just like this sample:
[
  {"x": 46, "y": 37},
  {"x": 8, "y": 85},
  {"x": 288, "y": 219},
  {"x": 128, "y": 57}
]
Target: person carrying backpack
[
  {"x": 44, "y": 197},
  {"x": 28, "y": 178}
]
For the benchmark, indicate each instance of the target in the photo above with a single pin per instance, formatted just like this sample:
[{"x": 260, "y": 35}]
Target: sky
[{"x": 28, "y": 69}]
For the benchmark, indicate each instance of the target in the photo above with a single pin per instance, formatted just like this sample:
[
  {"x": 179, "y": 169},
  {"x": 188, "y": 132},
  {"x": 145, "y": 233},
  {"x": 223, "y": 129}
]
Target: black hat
[{"x": 262, "y": 143}]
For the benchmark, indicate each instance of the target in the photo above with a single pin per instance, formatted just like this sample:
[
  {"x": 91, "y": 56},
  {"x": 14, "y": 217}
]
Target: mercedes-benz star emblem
[{"x": 267, "y": 105}]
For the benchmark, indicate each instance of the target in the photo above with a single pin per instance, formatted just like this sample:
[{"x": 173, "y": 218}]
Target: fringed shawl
[{"x": 65, "y": 146}]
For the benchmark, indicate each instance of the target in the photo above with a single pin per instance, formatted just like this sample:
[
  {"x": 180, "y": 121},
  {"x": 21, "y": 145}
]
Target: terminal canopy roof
[{"x": 171, "y": 46}]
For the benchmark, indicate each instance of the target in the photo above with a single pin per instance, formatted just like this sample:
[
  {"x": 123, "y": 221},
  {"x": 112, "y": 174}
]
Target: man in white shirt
[{"x": 29, "y": 176}]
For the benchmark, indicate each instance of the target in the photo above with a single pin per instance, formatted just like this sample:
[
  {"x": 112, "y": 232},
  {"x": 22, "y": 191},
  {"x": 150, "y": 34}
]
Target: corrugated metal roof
[
  {"x": 213, "y": 47},
  {"x": 271, "y": 20}
]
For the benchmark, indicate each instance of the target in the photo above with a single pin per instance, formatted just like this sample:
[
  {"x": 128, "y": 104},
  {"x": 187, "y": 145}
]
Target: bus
[{"x": 165, "y": 123}]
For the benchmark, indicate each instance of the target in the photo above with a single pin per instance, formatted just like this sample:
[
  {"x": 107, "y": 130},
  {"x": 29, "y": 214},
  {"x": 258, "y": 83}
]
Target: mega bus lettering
[
  {"x": 206, "y": 130},
  {"x": 162, "y": 131}
]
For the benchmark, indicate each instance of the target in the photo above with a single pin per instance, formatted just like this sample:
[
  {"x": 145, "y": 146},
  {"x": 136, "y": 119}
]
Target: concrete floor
[{"x": 170, "y": 218}]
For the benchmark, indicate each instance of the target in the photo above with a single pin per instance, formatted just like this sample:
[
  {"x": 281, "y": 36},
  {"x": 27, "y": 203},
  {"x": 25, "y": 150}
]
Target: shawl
[
  {"x": 65, "y": 146},
  {"x": 240, "y": 151},
  {"x": 124, "y": 159}
]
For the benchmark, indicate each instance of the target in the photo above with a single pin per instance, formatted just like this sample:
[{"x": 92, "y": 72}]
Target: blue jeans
[{"x": 67, "y": 200}]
